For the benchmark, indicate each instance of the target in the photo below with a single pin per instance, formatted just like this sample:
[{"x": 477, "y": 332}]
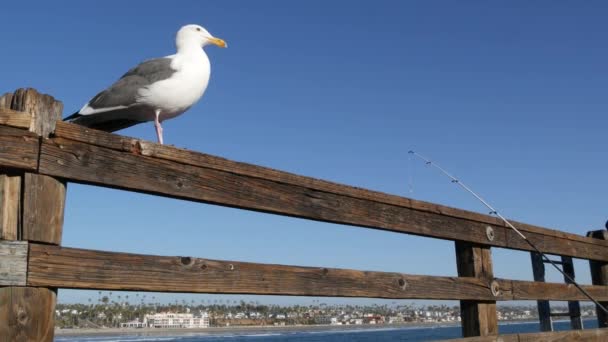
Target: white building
[
  {"x": 177, "y": 320},
  {"x": 133, "y": 324},
  {"x": 323, "y": 320}
]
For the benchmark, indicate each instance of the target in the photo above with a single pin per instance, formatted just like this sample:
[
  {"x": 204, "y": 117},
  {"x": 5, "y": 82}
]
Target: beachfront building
[
  {"x": 177, "y": 320},
  {"x": 133, "y": 324}
]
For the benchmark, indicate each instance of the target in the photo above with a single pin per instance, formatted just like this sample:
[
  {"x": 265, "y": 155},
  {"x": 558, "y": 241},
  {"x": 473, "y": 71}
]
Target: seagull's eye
[{"x": 198, "y": 28}]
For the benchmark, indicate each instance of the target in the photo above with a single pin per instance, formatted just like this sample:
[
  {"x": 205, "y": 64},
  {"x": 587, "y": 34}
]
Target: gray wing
[{"x": 124, "y": 91}]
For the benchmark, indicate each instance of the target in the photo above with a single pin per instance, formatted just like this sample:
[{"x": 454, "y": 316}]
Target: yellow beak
[{"x": 219, "y": 42}]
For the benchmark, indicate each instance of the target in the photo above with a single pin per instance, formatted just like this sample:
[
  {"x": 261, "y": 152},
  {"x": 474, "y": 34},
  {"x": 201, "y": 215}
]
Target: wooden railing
[{"x": 39, "y": 154}]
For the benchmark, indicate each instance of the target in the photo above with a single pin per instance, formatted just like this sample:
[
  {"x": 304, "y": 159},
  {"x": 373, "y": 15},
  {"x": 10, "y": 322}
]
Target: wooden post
[
  {"x": 479, "y": 318},
  {"x": 599, "y": 276},
  {"x": 574, "y": 307},
  {"x": 31, "y": 208},
  {"x": 10, "y": 193},
  {"x": 544, "y": 309}
]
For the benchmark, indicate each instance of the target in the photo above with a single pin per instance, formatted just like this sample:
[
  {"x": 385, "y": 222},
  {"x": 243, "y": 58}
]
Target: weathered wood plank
[
  {"x": 44, "y": 203},
  {"x": 27, "y": 314},
  {"x": 544, "y": 308},
  {"x": 87, "y": 269},
  {"x": 588, "y": 335},
  {"x": 92, "y": 164},
  {"x": 574, "y": 307},
  {"x": 5, "y": 100},
  {"x": 13, "y": 118},
  {"x": 18, "y": 149},
  {"x": 13, "y": 263},
  {"x": 527, "y": 290},
  {"x": 170, "y": 153},
  {"x": 599, "y": 335},
  {"x": 599, "y": 276},
  {"x": 10, "y": 182},
  {"x": 98, "y": 138},
  {"x": 43, "y": 110},
  {"x": 131, "y": 170},
  {"x": 494, "y": 338},
  {"x": 10, "y": 204},
  {"x": 557, "y": 246},
  {"x": 43, "y": 196},
  {"x": 479, "y": 318}
]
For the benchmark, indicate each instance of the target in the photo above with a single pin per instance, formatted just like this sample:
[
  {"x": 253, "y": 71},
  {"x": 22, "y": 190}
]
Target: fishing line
[
  {"x": 410, "y": 180},
  {"x": 499, "y": 215}
]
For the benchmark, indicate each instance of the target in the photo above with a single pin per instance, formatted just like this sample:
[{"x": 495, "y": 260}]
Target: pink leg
[{"x": 159, "y": 128}]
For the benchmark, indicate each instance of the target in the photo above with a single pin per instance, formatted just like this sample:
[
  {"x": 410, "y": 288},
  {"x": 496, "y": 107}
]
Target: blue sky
[{"x": 509, "y": 96}]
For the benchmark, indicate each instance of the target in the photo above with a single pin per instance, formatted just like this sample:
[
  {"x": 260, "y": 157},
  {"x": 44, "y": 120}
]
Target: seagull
[{"x": 155, "y": 90}]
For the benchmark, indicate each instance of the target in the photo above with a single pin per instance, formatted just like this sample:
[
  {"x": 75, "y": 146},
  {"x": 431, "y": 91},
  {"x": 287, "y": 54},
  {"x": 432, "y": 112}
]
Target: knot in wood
[
  {"x": 22, "y": 316},
  {"x": 136, "y": 147},
  {"x": 495, "y": 287},
  {"x": 402, "y": 283},
  {"x": 186, "y": 260},
  {"x": 231, "y": 267},
  {"x": 490, "y": 233},
  {"x": 324, "y": 271}
]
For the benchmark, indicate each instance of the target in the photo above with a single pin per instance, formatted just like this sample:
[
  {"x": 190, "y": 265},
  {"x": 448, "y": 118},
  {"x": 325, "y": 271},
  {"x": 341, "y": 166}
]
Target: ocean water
[{"x": 359, "y": 335}]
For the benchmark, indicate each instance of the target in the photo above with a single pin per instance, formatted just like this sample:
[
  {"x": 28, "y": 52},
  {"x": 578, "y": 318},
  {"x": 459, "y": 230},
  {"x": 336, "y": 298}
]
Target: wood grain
[
  {"x": 44, "y": 203},
  {"x": 43, "y": 109},
  {"x": 528, "y": 290},
  {"x": 91, "y": 164},
  {"x": 574, "y": 307},
  {"x": 13, "y": 263},
  {"x": 544, "y": 308},
  {"x": 5, "y": 100},
  {"x": 10, "y": 182},
  {"x": 138, "y": 170},
  {"x": 43, "y": 197},
  {"x": 9, "y": 117},
  {"x": 27, "y": 314},
  {"x": 479, "y": 318},
  {"x": 599, "y": 276},
  {"x": 86, "y": 269},
  {"x": 10, "y": 206},
  {"x": 18, "y": 149},
  {"x": 557, "y": 246},
  {"x": 183, "y": 156},
  {"x": 588, "y": 335}
]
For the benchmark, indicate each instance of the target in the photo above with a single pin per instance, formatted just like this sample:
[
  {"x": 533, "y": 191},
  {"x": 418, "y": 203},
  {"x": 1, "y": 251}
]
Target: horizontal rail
[
  {"x": 54, "y": 266},
  {"x": 88, "y": 156},
  {"x": 107, "y": 159},
  {"x": 587, "y": 335},
  {"x": 86, "y": 269}
]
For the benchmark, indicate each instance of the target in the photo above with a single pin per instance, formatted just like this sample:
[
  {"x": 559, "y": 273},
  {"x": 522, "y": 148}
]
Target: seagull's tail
[
  {"x": 72, "y": 117},
  {"x": 108, "y": 123}
]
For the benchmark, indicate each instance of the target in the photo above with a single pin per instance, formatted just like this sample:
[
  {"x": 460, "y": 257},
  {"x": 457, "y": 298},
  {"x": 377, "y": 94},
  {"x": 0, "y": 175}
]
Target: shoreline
[
  {"x": 242, "y": 329},
  {"x": 255, "y": 329},
  {"x": 260, "y": 329}
]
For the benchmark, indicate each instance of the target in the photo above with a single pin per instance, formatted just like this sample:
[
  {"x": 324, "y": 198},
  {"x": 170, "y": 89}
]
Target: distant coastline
[
  {"x": 257, "y": 329},
  {"x": 244, "y": 329}
]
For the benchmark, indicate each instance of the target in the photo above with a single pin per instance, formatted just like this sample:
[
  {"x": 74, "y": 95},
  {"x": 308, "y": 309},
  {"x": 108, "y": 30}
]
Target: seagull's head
[{"x": 196, "y": 35}]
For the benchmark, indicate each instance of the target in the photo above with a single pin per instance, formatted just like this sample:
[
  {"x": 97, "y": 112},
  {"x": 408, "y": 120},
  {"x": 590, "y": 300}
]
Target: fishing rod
[{"x": 493, "y": 211}]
